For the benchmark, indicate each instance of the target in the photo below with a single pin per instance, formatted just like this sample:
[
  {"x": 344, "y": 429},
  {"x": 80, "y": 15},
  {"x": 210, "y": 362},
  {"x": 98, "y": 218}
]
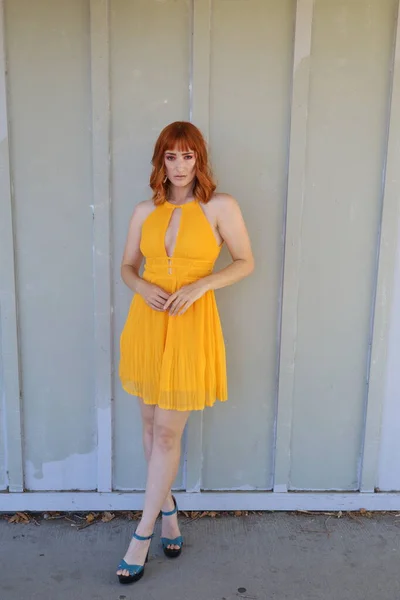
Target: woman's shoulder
[
  {"x": 222, "y": 202},
  {"x": 143, "y": 209}
]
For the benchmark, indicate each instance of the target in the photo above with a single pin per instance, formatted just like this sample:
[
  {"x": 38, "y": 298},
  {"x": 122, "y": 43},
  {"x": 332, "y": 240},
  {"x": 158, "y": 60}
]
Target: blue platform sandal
[
  {"x": 135, "y": 571},
  {"x": 172, "y": 552}
]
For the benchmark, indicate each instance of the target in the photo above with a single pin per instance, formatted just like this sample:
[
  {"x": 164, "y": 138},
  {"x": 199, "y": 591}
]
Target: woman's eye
[
  {"x": 189, "y": 156},
  {"x": 170, "y": 158}
]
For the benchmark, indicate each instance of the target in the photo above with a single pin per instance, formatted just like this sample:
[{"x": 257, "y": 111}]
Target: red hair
[{"x": 184, "y": 136}]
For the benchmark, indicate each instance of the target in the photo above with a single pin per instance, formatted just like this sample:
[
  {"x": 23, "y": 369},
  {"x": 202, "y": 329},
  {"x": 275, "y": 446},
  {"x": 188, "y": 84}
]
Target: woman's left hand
[{"x": 180, "y": 301}]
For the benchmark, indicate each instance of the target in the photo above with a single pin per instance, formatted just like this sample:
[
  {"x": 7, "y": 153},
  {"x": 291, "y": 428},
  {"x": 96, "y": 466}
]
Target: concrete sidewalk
[{"x": 274, "y": 556}]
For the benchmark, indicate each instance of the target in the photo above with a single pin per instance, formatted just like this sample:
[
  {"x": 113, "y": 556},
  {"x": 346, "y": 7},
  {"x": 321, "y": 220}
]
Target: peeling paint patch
[{"x": 76, "y": 472}]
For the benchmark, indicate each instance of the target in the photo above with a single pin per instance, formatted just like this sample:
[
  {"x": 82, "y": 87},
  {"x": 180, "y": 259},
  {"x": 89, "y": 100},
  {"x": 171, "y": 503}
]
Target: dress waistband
[{"x": 181, "y": 266}]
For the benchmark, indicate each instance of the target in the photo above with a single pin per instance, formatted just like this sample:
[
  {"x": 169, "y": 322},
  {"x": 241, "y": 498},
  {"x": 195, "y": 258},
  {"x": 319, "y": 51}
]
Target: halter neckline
[{"x": 180, "y": 205}]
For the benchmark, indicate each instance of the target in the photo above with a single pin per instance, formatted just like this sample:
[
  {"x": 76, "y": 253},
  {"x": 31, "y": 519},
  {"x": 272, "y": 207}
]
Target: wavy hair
[{"x": 184, "y": 136}]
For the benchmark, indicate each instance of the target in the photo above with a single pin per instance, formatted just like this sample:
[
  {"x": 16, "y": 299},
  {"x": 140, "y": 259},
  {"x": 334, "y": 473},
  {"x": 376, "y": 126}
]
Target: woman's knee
[{"x": 166, "y": 438}]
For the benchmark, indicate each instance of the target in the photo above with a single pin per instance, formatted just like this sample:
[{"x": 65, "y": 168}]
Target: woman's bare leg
[
  {"x": 162, "y": 470},
  {"x": 170, "y": 527}
]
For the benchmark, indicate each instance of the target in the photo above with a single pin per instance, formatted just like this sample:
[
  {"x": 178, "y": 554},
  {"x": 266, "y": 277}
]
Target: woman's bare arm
[
  {"x": 233, "y": 231},
  {"x": 132, "y": 259}
]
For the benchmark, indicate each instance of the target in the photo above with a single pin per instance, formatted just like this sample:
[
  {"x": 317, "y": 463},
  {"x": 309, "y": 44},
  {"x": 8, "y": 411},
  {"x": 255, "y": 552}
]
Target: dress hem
[{"x": 168, "y": 406}]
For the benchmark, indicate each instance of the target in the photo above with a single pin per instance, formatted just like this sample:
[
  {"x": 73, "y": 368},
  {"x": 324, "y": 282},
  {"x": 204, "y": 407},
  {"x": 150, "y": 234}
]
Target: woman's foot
[
  {"x": 136, "y": 553},
  {"x": 170, "y": 527}
]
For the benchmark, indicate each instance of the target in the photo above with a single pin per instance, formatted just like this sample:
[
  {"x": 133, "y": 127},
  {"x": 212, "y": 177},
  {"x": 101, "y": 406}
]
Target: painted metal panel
[
  {"x": 348, "y": 112},
  {"x": 251, "y": 66},
  {"x": 385, "y": 351},
  {"x": 50, "y": 152},
  {"x": 150, "y": 66}
]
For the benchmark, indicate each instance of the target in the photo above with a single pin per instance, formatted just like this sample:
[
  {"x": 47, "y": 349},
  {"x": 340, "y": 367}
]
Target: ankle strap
[
  {"x": 141, "y": 538},
  {"x": 168, "y": 514},
  {"x": 171, "y": 512}
]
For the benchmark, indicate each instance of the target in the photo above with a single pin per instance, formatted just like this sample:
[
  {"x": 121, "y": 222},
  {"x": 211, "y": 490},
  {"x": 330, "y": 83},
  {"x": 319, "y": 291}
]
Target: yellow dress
[{"x": 175, "y": 362}]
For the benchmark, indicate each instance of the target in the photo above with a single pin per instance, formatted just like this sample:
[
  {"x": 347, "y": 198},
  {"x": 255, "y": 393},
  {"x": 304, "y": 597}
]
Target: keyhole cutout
[{"x": 171, "y": 235}]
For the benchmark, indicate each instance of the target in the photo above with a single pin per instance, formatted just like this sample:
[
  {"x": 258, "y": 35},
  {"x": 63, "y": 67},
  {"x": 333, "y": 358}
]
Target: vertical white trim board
[
  {"x": 294, "y": 217},
  {"x": 100, "y": 78},
  {"x": 200, "y": 115},
  {"x": 10, "y": 386}
]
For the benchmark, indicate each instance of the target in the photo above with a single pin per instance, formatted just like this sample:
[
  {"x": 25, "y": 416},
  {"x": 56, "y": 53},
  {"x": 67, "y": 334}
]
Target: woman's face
[{"x": 180, "y": 166}]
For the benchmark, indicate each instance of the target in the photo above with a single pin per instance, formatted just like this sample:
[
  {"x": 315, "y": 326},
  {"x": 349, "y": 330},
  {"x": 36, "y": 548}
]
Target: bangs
[{"x": 180, "y": 141}]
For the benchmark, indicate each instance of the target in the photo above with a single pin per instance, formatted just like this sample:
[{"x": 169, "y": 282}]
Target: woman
[{"x": 172, "y": 348}]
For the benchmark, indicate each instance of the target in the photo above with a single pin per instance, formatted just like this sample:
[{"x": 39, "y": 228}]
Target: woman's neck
[{"x": 180, "y": 195}]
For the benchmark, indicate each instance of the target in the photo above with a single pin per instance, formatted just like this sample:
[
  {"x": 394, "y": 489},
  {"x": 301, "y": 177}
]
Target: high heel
[
  {"x": 172, "y": 552},
  {"x": 135, "y": 571}
]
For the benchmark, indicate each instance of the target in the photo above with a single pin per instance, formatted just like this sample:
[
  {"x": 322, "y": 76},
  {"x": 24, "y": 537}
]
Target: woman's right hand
[{"x": 153, "y": 295}]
